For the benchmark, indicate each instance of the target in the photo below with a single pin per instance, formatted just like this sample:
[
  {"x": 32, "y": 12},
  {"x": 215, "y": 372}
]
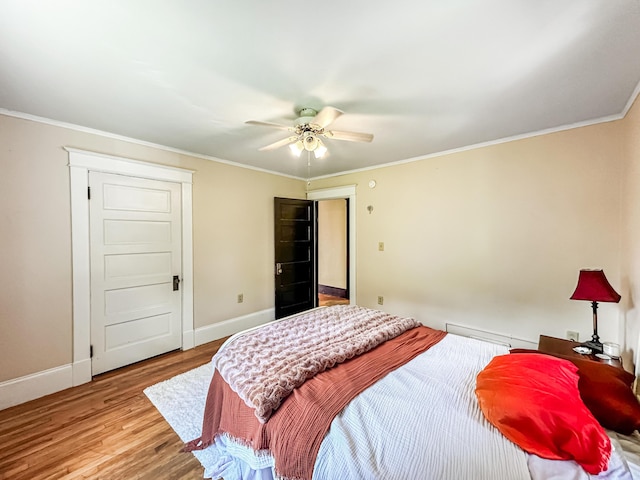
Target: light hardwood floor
[
  {"x": 105, "y": 429},
  {"x": 328, "y": 300}
]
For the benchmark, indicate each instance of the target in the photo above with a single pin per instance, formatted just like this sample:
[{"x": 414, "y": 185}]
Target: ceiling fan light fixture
[
  {"x": 297, "y": 148},
  {"x": 310, "y": 141},
  {"x": 320, "y": 150}
]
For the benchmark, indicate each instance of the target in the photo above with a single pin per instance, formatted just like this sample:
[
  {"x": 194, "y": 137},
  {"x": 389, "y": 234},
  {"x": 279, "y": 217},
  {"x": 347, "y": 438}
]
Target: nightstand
[{"x": 564, "y": 347}]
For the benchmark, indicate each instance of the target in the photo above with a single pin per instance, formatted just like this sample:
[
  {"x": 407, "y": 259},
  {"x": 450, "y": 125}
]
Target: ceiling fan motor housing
[
  {"x": 304, "y": 120},
  {"x": 305, "y": 116},
  {"x": 307, "y": 112}
]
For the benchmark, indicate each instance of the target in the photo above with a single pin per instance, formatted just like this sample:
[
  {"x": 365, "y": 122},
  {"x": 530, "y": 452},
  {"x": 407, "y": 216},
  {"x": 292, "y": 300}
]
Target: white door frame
[
  {"x": 346, "y": 191},
  {"x": 81, "y": 162}
]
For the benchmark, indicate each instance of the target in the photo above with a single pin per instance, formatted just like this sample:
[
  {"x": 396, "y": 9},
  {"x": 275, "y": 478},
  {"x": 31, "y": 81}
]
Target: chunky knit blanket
[{"x": 269, "y": 363}]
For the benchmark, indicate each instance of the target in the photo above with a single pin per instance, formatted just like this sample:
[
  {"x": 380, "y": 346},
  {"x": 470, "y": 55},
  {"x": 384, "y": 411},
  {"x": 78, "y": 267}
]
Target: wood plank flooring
[
  {"x": 105, "y": 429},
  {"x": 328, "y": 300}
]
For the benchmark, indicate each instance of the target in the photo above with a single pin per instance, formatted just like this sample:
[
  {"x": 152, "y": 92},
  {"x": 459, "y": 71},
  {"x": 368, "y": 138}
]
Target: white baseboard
[
  {"x": 23, "y": 389},
  {"x": 188, "y": 340},
  {"x": 19, "y": 390},
  {"x": 81, "y": 372},
  {"x": 233, "y": 325}
]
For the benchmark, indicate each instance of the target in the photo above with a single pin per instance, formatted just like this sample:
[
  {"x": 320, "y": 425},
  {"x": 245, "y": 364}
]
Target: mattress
[{"x": 420, "y": 421}]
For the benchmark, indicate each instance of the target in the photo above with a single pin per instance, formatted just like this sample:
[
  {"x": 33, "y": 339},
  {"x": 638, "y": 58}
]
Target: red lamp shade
[{"x": 594, "y": 286}]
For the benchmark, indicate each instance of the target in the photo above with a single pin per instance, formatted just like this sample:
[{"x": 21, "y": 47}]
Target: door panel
[
  {"x": 136, "y": 198},
  {"x": 125, "y": 301},
  {"x": 137, "y": 331},
  {"x": 293, "y": 272},
  {"x": 135, "y": 231},
  {"x": 124, "y": 304},
  {"x": 295, "y": 252},
  {"x": 295, "y": 232},
  {"x": 136, "y": 265},
  {"x": 297, "y": 298},
  {"x": 295, "y": 282}
]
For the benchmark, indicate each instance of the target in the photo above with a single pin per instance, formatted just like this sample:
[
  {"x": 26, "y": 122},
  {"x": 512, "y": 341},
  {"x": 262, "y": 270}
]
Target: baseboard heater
[{"x": 487, "y": 336}]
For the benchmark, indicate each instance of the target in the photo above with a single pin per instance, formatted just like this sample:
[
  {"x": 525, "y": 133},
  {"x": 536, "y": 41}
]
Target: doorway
[
  {"x": 81, "y": 163},
  {"x": 348, "y": 193},
  {"x": 296, "y": 238},
  {"x": 332, "y": 251}
]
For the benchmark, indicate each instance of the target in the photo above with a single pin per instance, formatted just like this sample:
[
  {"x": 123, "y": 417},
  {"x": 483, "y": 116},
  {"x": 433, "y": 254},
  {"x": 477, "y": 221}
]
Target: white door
[{"x": 135, "y": 237}]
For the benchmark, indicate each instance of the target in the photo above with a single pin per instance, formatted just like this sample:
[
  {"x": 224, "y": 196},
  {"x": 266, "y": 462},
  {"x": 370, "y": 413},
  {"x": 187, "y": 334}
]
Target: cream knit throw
[{"x": 264, "y": 366}]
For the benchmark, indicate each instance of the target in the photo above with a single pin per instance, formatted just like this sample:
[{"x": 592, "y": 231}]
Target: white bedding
[
  {"x": 631, "y": 450},
  {"x": 442, "y": 435}
]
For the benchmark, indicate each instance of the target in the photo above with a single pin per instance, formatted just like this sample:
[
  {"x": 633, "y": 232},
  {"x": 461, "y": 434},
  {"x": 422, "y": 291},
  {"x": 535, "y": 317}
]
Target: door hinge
[
  {"x": 90, "y": 351},
  {"x": 89, "y": 193}
]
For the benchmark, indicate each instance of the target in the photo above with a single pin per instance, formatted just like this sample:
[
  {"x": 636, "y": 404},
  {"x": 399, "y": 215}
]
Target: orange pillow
[
  {"x": 533, "y": 400},
  {"x": 606, "y": 391}
]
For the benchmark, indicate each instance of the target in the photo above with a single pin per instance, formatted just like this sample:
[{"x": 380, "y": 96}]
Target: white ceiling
[{"x": 424, "y": 76}]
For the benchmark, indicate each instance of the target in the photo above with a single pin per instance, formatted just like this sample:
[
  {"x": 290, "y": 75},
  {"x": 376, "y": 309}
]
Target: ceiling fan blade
[
  {"x": 326, "y": 116},
  {"x": 269, "y": 124},
  {"x": 279, "y": 143},
  {"x": 349, "y": 136}
]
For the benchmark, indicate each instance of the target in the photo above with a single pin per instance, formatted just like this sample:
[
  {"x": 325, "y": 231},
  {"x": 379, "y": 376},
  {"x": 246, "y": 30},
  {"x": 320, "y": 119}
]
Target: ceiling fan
[{"x": 307, "y": 130}]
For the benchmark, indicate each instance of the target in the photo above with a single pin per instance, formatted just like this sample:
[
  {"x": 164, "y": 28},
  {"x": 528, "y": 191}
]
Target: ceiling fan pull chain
[{"x": 308, "y": 168}]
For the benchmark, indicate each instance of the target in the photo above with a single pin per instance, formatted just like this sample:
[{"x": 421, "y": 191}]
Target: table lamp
[{"x": 594, "y": 287}]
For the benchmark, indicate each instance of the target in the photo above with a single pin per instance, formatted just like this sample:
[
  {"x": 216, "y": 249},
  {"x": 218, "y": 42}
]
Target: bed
[{"x": 395, "y": 401}]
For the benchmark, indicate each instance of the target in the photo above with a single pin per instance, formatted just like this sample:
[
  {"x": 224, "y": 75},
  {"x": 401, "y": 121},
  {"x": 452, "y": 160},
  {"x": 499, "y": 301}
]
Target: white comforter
[{"x": 420, "y": 422}]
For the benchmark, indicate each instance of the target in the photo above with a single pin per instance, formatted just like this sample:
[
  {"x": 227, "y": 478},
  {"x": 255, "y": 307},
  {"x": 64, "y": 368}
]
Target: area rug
[{"x": 180, "y": 400}]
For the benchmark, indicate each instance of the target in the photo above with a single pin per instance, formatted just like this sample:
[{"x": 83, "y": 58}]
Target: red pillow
[
  {"x": 606, "y": 391},
  {"x": 534, "y": 401}
]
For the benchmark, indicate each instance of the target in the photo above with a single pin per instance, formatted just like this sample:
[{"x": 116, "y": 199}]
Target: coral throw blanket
[{"x": 295, "y": 431}]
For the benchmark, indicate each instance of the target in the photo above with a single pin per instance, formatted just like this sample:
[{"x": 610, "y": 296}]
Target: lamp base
[{"x": 595, "y": 346}]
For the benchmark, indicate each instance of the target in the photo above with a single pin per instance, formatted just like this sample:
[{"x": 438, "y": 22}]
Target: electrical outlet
[
  {"x": 380, "y": 300},
  {"x": 381, "y": 246},
  {"x": 240, "y": 297},
  {"x": 574, "y": 336}
]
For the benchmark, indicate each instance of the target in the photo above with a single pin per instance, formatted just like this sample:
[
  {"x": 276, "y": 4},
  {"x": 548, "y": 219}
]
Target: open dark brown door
[{"x": 295, "y": 276}]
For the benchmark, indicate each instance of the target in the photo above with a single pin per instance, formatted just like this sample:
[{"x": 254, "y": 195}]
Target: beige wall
[
  {"x": 332, "y": 243},
  {"x": 631, "y": 231},
  {"x": 232, "y": 208},
  {"x": 494, "y": 237}
]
